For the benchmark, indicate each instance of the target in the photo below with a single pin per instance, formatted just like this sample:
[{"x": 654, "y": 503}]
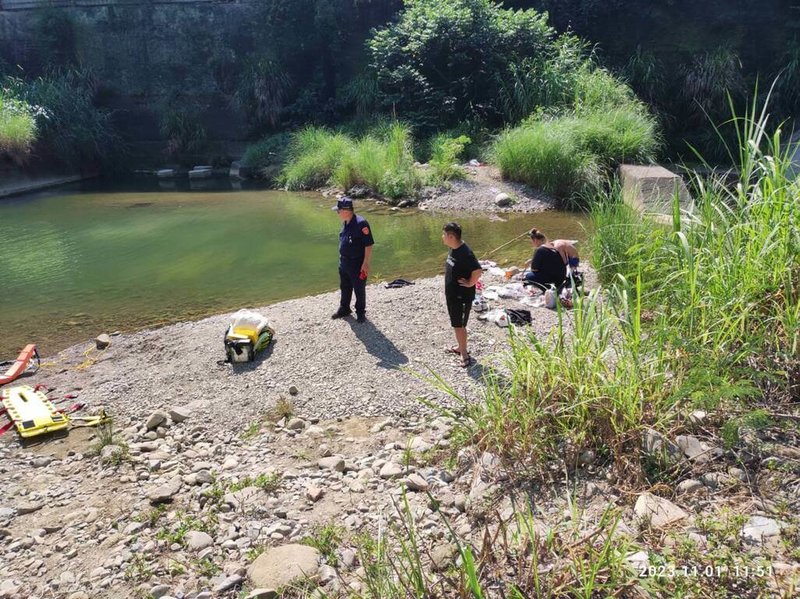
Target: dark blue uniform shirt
[{"x": 354, "y": 238}]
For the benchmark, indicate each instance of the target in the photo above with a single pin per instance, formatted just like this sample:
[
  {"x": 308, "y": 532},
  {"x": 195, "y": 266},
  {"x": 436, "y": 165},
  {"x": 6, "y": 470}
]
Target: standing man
[
  {"x": 462, "y": 272},
  {"x": 355, "y": 253}
]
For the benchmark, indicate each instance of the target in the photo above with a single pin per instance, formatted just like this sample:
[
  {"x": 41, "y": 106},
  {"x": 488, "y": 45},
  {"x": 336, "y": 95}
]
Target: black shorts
[{"x": 458, "y": 308}]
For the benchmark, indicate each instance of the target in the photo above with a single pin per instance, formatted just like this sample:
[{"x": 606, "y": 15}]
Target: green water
[{"x": 75, "y": 264}]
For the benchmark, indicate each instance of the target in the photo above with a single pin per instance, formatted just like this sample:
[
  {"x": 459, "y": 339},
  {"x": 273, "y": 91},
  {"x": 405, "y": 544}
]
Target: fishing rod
[{"x": 520, "y": 236}]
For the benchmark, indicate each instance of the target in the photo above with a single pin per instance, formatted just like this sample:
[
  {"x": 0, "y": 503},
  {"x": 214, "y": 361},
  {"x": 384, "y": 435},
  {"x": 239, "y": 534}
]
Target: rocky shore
[{"x": 247, "y": 480}]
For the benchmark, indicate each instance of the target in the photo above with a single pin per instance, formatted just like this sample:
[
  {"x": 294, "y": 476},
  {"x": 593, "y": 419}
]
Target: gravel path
[{"x": 340, "y": 368}]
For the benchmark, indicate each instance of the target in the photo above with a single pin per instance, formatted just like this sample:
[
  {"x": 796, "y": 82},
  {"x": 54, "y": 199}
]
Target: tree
[{"x": 442, "y": 61}]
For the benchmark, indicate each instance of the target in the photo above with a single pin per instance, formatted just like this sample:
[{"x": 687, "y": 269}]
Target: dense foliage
[
  {"x": 17, "y": 128},
  {"x": 445, "y": 61},
  {"x": 71, "y": 130},
  {"x": 462, "y": 66}
]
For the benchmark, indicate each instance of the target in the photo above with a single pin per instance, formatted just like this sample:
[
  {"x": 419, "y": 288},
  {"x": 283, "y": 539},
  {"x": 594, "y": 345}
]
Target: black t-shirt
[
  {"x": 460, "y": 264},
  {"x": 548, "y": 265}
]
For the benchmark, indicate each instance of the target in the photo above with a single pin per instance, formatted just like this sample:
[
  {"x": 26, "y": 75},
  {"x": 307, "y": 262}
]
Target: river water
[{"x": 81, "y": 261}]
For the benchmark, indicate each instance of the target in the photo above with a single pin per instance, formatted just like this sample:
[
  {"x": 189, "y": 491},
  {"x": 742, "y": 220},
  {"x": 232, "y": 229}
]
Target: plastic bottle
[{"x": 550, "y": 297}]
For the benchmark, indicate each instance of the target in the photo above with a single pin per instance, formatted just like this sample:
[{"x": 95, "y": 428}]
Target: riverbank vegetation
[
  {"x": 382, "y": 161},
  {"x": 697, "y": 325},
  {"x": 17, "y": 128},
  {"x": 458, "y": 67},
  {"x": 701, "y": 314},
  {"x": 65, "y": 127}
]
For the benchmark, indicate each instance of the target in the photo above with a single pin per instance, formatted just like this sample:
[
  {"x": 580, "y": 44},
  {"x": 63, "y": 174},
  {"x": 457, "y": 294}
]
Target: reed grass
[
  {"x": 382, "y": 160},
  {"x": 703, "y": 312},
  {"x": 17, "y": 128}
]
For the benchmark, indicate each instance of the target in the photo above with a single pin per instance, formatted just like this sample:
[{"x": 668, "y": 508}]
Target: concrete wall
[{"x": 143, "y": 53}]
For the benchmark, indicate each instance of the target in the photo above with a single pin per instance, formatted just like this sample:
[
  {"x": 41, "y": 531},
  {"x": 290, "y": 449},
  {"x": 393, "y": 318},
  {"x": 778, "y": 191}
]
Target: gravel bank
[
  {"x": 478, "y": 192},
  {"x": 340, "y": 368}
]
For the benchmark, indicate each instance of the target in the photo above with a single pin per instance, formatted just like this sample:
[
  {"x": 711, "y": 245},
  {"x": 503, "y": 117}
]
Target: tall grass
[
  {"x": 567, "y": 155},
  {"x": 547, "y": 156},
  {"x": 382, "y": 160},
  {"x": 17, "y": 128},
  {"x": 705, "y": 312}
]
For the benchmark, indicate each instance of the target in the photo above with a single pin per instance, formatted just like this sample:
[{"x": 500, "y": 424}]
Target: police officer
[{"x": 355, "y": 252}]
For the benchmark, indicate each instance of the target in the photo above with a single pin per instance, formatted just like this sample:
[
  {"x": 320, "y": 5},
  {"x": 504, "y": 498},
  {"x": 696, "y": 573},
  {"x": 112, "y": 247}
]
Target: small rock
[
  {"x": 228, "y": 583},
  {"x": 296, "y": 424},
  {"x": 28, "y": 507},
  {"x": 166, "y": 491},
  {"x": 155, "y": 419},
  {"x": 639, "y": 560},
  {"x": 415, "y": 482},
  {"x": 179, "y": 414},
  {"x": 698, "y": 417},
  {"x": 655, "y": 444},
  {"x": 759, "y": 528},
  {"x": 279, "y": 567},
  {"x": 502, "y": 200},
  {"x": 379, "y": 426},
  {"x": 111, "y": 453},
  {"x": 159, "y": 591},
  {"x": 332, "y": 463},
  {"x": 390, "y": 470},
  {"x": 230, "y": 463},
  {"x": 692, "y": 448},
  {"x": 689, "y": 486},
  {"x": 314, "y": 494},
  {"x": 42, "y": 462},
  {"x": 102, "y": 341},
  {"x": 348, "y": 558},
  {"x": 262, "y": 594},
  {"x": 197, "y": 540},
  {"x": 325, "y": 574},
  {"x": 657, "y": 511},
  {"x": 293, "y": 390},
  {"x": 442, "y": 556}
]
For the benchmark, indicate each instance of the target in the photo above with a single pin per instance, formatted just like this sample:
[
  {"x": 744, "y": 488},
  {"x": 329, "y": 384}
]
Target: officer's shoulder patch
[{"x": 365, "y": 230}]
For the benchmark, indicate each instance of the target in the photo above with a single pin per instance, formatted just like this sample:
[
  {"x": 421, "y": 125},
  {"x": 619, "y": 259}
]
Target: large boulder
[{"x": 280, "y": 567}]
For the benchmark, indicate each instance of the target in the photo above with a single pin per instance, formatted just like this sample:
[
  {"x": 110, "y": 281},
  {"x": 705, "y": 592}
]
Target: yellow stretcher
[{"x": 32, "y": 413}]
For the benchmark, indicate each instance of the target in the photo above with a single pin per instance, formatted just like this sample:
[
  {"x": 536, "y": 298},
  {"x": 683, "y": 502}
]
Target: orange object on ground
[{"x": 21, "y": 364}]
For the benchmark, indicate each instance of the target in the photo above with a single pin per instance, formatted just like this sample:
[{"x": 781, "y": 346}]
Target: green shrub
[
  {"x": 566, "y": 155},
  {"x": 382, "y": 160},
  {"x": 443, "y": 164},
  {"x": 17, "y": 128},
  {"x": 616, "y": 135},
  {"x": 546, "y": 156},
  {"x": 75, "y": 132},
  {"x": 314, "y": 154}
]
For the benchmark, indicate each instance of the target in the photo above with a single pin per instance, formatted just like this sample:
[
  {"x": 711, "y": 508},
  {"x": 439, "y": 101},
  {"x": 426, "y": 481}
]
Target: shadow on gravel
[
  {"x": 478, "y": 372},
  {"x": 378, "y": 344},
  {"x": 241, "y": 367}
]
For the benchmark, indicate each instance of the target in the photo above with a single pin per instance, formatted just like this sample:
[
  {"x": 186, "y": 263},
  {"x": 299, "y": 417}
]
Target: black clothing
[
  {"x": 459, "y": 310},
  {"x": 350, "y": 281},
  {"x": 460, "y": 264},
  {"x": 354, "y": 238},
  {"x": 548, "y": 266}
]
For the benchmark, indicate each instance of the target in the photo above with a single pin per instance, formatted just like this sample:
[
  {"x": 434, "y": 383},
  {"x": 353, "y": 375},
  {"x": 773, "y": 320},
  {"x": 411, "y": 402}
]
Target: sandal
[
  {"x": 465, "y": 362},
  {"x": 452, "y": 350}
]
